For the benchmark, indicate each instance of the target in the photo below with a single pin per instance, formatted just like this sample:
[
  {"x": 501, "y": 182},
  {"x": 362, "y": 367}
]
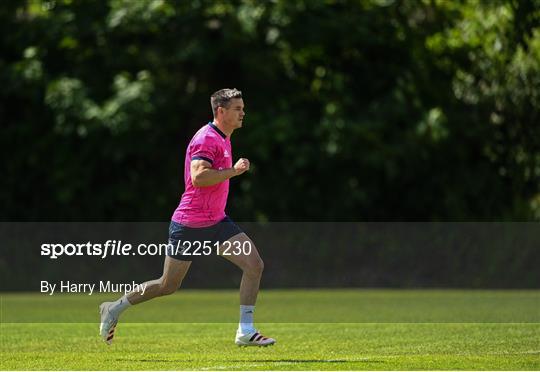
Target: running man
[{"x": 200, "y": 217}]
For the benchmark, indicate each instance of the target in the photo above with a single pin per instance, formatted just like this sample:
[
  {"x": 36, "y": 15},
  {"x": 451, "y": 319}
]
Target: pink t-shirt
[{"x": 205, "y": 206}]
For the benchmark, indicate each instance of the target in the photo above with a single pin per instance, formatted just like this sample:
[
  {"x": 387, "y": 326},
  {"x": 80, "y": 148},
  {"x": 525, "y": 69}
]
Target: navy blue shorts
[{"x": 187, "y": 243}]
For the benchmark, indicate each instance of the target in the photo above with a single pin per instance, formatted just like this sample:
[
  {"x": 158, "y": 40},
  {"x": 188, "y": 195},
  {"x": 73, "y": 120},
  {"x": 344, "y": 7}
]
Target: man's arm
[{"x": 203, "y": 175}]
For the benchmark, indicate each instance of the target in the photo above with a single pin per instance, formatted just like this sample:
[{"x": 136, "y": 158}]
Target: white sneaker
[
  {"x": 108, "y": 323},
  {"x": 253, "y": 339}
]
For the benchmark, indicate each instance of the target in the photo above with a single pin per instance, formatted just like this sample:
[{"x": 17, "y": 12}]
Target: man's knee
[
  {"x": 167, "y": 287},
  {"x": 255, "y": 267}
]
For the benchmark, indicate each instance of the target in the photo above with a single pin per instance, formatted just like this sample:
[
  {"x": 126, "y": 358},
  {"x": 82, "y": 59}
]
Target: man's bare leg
[
  {"x": 252, "y": 267},
  {"x": 174, "y": 272}
]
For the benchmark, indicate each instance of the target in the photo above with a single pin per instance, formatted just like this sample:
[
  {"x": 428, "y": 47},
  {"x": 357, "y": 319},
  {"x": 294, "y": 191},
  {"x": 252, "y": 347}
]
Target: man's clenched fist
[{"x": 241, "y": 166}]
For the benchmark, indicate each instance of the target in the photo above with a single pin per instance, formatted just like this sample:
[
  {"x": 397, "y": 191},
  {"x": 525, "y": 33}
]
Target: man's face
[{"x": 234, "y": 114}]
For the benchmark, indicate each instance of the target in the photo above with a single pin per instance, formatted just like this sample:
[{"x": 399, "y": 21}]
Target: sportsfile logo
[
  {"x": 109, "y": 248},
  {"x": 118, "y": 248}
]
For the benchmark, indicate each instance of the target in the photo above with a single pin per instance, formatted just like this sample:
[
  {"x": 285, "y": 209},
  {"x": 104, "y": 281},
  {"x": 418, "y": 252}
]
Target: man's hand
[
  {"x": 241, "y": 166},
  {"x": 203, "y": 175}
]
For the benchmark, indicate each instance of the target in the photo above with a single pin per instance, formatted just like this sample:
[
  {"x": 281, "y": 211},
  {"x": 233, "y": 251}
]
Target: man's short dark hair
[{"x": 223, "y": 97}]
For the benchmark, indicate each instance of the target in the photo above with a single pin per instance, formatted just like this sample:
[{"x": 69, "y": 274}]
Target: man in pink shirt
[{"x": 200, "y": 226}]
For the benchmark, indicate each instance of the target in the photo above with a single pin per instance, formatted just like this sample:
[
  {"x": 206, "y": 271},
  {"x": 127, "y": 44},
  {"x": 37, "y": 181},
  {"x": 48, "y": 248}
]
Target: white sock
[
  {"x": 119, "y": 305},
  {"x": 246, "y": 319}
]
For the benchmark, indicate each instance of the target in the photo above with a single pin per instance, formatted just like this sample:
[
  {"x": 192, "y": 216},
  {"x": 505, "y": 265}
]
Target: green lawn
[{"x": 315, "y": 329}]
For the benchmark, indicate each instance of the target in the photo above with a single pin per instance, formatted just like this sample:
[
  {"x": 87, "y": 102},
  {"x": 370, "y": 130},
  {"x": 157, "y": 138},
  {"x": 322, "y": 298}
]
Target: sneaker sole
[
  {"x": 246, "y": 345},
  {"x": 272, "y": 344}
]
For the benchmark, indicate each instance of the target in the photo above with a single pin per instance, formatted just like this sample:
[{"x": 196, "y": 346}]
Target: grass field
[{"x": 315, "y": 329}]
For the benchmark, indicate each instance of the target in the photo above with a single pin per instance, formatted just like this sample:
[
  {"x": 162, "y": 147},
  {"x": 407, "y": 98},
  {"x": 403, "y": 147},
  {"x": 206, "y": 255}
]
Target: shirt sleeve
[{"x": 203, "y": 150}]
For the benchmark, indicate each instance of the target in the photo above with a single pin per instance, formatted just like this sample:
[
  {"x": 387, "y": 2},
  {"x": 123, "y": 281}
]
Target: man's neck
[{"x": 228, "y": 132}]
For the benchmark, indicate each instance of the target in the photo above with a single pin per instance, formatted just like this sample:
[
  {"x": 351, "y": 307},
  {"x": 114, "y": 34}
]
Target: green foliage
[{"x": 383, "y": 110}]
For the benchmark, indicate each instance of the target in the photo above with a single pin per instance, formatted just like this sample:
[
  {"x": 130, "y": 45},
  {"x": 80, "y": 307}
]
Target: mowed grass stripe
[{"x": 290, "y": 306}]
